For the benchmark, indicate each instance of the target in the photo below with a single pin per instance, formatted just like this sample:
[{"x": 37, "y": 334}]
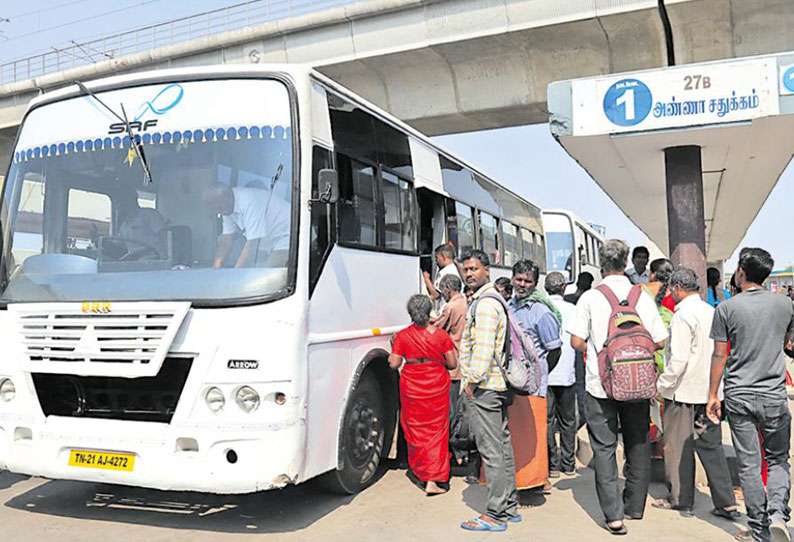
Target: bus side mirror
[{"x": 328, "y": 185}]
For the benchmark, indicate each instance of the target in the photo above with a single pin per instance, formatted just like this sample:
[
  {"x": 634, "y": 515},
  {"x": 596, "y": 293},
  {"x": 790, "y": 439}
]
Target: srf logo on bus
[{"x": 95, "y": 307}]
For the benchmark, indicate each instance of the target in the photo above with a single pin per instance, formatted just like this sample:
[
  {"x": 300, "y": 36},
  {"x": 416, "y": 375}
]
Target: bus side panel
[
  {"x": 359, "y": 292},
  {"x": 329, "y": 374}
]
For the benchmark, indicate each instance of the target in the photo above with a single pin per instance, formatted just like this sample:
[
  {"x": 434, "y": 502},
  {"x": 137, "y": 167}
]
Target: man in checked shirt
[{"x": 487, "y": 397}]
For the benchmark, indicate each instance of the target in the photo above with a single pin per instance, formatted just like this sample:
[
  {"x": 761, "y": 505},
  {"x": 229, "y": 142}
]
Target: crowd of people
[{"x": 712, "y": 355}]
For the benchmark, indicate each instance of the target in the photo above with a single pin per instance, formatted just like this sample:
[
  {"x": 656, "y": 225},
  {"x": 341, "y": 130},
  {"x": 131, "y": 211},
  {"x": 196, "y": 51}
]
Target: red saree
[{"x": 424, "y": 399}]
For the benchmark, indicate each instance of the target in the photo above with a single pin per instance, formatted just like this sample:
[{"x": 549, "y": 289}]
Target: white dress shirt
[
  {"x": 591, "y": 323},
  {"x": 564, "y": 374},
  {"x": 687, "y": 369}
]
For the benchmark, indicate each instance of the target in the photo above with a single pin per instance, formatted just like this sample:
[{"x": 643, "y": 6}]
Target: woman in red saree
[{"x": 424, "y": 393}]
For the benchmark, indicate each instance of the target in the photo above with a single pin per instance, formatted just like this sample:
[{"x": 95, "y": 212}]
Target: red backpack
[{"x": 626, "y": 364}]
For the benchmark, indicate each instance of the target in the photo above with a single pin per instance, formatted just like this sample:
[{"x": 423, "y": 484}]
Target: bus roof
[
  {"x": 575, "y": 219},
  {"x": 294, "y": 71}
]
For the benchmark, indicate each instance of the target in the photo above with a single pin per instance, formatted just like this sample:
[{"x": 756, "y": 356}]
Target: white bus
[
  {"x": 210, "y": 308},
  {"x": 571, "y": 245}
]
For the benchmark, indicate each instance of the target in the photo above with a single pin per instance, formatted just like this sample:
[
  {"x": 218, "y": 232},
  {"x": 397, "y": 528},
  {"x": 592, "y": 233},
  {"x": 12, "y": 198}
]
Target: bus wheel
[{"x": 363, "y": 437}]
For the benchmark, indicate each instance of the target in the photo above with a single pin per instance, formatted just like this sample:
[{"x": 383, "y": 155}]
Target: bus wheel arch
[{"x": 366, "y": 426}]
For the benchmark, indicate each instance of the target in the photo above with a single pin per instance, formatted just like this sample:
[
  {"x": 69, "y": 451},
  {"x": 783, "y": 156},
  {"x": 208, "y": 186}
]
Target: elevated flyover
[
  {"x": 689, "y": 153},
  {"x": 449, "y": 66}
]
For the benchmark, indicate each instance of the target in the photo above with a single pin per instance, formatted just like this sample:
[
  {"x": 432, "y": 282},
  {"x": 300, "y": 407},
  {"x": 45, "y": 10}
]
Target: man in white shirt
[
  {"x": 561, "y": 395},
  {"x": 445, "y": 260},
  {"x": 639, "y": 274},
  {"x": 684, "y": 385},
  {"x": 588, "y": 334},
  {"x": 258, "y": 215}
]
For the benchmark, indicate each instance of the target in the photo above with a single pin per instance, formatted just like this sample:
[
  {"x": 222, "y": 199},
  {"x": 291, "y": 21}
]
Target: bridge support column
[
  {"x": 6, "y": 144},
  {"x": 685, "y": 211}
]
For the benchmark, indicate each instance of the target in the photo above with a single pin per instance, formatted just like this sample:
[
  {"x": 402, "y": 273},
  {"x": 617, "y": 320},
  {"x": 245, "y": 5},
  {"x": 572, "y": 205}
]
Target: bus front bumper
[{"x": 165, "y": 457}]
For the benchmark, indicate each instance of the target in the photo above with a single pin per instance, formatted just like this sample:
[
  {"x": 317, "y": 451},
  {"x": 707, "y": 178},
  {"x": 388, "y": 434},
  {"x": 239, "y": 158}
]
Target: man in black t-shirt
[{"x": 758, "y": 325}]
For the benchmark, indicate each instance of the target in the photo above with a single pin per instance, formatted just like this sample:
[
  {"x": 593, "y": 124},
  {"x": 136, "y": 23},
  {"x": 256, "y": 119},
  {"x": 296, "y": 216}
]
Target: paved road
[{"x": 392, "y": 510}]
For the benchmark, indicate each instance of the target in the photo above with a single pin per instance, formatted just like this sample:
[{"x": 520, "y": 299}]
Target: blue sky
[{"x": 526, "y": 159}]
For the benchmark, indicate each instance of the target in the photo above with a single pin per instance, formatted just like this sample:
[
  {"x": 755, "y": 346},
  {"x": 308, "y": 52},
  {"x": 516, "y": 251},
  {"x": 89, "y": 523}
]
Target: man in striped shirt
[{"x": 481, "y": 350}]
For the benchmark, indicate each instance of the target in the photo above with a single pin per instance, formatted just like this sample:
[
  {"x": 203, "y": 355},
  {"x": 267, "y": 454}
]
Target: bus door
[{"x": 432, "y": 227}]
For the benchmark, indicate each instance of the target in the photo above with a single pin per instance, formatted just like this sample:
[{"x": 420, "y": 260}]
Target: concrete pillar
[
  {"x": 685, "y": 214},
  {"x": 6, "y": 142}
]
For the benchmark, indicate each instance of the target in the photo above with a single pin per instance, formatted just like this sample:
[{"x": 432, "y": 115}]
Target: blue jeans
[{"x": 749, "y": 413}]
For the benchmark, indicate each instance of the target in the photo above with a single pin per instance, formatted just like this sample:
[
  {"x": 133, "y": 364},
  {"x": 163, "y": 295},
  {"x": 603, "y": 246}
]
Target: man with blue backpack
[
  {"x": 541, "y": 320},
  {"x": 619, "y": 328}
]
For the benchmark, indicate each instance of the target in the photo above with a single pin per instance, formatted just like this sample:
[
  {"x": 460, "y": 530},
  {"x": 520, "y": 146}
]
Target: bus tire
[{"x": 362, "y": 440}]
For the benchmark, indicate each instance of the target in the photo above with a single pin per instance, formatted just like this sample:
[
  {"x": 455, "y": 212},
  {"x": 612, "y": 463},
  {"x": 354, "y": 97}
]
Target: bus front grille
[
  {"x": 129, "y": 339},
  {"x": 148, "y": 399}
]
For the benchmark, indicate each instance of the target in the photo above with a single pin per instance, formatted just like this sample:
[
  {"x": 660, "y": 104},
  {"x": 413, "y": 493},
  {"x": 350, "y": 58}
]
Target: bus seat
[{"x": 179, "y": 244}]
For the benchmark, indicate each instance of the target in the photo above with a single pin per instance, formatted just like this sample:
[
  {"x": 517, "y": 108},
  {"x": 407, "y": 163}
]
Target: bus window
[
  {"x": 490, "y": 237},
  {"x": 541, "y": 252},
  {"x": 28, "y": 237},
  {"x": 464, "y": 220},
  {"x": 511, "y": 242},
  {"x": 526, "y": 244},
  {"x": 352, "y": 128},
  {"x": 88, "y": 218},
  {"x": 394, "y": 151},
  {"x": 559, "y": 248},
  {"x": 581, "y": 244},
  {"x": 454, "y": 175},
  {"x": 357, "y": 221},
  {"x": 398, "y": 212},
  {"x": 321, "y": 229}
]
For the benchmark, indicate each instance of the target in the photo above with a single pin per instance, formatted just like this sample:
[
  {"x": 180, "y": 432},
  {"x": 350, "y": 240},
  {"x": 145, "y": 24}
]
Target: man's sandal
[{"x": 478, "y": 524}]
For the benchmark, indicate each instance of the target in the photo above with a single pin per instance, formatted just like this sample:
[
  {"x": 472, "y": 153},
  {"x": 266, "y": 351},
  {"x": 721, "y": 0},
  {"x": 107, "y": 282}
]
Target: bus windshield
[
  {"x": 81, "y": 221},
  {"x": 559, "y": 251}
]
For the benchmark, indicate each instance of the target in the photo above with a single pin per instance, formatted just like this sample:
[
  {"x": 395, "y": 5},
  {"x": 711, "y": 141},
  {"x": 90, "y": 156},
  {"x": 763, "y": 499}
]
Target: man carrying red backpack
[{"x": 619, "y": 329}]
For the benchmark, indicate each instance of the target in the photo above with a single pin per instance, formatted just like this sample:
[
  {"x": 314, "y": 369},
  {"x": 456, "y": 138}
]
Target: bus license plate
[{"x": 101, "y": 460}]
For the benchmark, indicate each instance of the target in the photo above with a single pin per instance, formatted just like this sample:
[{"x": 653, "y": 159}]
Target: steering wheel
[{"x": 144, "y": 249}]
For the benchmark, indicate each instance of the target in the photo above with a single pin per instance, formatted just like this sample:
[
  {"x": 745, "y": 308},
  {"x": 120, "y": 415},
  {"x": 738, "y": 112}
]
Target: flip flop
[
  {"x": 618, "y": 531},
  {"x": 727, "y": 514},
  {"x": 661, "y": 504},
  {"x": 482, "y": 526}
]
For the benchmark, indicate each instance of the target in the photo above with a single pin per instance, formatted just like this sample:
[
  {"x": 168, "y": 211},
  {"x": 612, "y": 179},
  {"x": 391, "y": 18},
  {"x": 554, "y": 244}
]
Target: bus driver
[{"x": 258, "y": 215}]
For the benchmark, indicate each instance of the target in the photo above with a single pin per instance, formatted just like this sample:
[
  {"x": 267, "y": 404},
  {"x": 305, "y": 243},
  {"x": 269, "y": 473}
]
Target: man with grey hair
[
  {"x": 261, "y": 217},
  {"x": 589, "y": 331},
  {"x": 561, "y": 395},
  {"x": 684, "y": 386}
]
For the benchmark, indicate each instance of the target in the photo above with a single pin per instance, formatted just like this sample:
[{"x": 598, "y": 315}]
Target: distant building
[{"x": 780, "y": 278}]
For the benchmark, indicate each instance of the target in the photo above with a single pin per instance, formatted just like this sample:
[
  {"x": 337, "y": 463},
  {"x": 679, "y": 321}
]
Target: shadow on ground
[
  {"x": 275, "y": 511},
  {"x": 8, "y": 479},
  {"x": 585, "y": 497}
]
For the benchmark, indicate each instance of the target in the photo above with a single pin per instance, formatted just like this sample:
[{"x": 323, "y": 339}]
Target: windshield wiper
[{"x": 136, "y": 146}]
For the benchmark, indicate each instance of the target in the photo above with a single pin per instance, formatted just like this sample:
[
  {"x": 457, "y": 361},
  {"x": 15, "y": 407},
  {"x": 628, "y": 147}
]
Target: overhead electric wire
[
  {"x": 97, "y": 16},
  {"x": 29, "y": 13}
]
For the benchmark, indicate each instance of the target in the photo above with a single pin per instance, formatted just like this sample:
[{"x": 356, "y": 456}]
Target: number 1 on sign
[{"x": 627, "y": 101}]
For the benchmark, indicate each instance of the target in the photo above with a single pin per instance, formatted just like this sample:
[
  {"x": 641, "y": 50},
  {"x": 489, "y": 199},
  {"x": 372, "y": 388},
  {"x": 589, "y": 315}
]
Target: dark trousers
[
  {"x": 603, "y": 416},
  {"x": 454, "y": 397},
  {"x": 687, "y": 430},
  {"x": 747, "y": 415},
  {"x": 561, "y": 403},
  {"x": 580, "y": 393},
  {"x": 488, "y": 419}
]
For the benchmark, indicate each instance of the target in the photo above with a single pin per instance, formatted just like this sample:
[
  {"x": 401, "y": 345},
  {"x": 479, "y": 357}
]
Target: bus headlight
[
  {"x": 7, "y": 390},
  {"x": 215, "y": 399},
  {"x": 247, "y": 399}
]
